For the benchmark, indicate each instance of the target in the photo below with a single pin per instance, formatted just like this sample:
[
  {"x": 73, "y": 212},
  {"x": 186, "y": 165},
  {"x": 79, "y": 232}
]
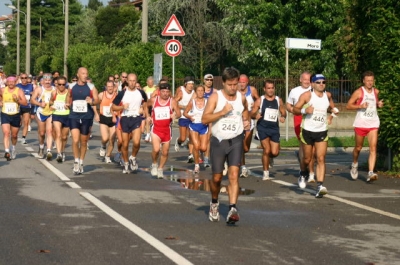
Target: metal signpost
[
  {"x": 173, "y": 47},
  {"x": 303, "y": 44}
]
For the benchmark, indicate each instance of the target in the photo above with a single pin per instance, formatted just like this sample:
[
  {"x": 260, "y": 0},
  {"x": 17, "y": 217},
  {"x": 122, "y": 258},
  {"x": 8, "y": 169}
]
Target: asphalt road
[{"x": 50, "y": 216}]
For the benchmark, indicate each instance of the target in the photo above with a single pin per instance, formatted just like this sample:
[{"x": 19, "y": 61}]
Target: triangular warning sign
[{"x": 173, "y": 28}]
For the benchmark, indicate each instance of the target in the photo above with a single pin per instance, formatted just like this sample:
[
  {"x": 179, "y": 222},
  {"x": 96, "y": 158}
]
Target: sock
[
  {"x": 232, "y": 206},
  {"x": 7, "y": 150},
  {"x": 354, "y": 164},
  {"x": 319, "y": 183},
  {"x": 13, "y": 147},
  {"x": 214, "y": 200},
  {"x": 23, "y": 137},
  {"x": 41, "y": 146},
  {"x": 76, "y": 160},
  {"x": 80, "y": 161},
  {"x": 103, "y": 146}
]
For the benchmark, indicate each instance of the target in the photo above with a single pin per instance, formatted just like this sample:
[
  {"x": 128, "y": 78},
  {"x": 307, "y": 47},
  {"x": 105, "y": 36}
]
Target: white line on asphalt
[
  {"x": 29, "y": 149},
  {"x": 73, "y": 185},
  {"x": 57, "y": 172},
  {"x": 168, "y": 252},
  {"x": 332, "y": 197}
]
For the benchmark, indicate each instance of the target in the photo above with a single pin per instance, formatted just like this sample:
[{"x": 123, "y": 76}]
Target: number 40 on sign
[{"x": 173, "y": 47}]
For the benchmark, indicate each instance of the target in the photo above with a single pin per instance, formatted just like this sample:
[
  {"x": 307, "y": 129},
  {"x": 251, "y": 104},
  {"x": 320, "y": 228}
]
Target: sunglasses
[
  {"x": 209, "y": 79},
  {"x": 24, "y": 77},
  {"x": 320, "y": 82},
  {"x": 123, "y": 76},
  {"x": 61, "y": 84},
  {"x": 74, "y": 80}
]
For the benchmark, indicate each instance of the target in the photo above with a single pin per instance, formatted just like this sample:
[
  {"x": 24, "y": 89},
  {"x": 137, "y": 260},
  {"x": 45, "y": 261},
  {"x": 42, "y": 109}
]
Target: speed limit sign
[{"x": 173, "y": 47}]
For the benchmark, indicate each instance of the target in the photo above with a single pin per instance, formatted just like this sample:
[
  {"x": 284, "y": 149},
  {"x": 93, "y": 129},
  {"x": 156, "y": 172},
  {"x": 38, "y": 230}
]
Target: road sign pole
[
  {"x": 173, "y": 73},
  {"x": 287, "y": 93}
]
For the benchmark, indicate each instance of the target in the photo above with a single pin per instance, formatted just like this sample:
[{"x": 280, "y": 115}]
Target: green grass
[{"x": 343, "y": 141}]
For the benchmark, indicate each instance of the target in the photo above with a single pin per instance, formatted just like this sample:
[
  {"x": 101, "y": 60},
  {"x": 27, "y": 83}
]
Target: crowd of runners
[{"x": 216, "y": 125}]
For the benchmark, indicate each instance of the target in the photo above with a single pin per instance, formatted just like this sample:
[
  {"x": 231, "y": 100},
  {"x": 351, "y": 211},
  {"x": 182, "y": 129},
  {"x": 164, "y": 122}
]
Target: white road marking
[
  {"x": 73, "y": 185},
  {"x": 332, "y": 197},
  {"x": 29, "y": 149},
  {"x": 57, "y": 172},
  {"x": 168, "y": 252}
]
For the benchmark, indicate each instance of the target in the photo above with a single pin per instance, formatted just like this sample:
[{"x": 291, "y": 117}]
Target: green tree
[{"x": 94, "y": 4}]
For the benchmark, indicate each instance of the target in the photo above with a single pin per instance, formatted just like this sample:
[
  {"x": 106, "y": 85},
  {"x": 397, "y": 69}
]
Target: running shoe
[
  {"x": 102, "y": 152},
  {"x": 190, "y": 159},
  {"x": 13, "y": 153},
  {"x": 132, "y": 163},
  {"x": 232, "y": 217},
  {"x": 177, "y": 147},
  {"x": 153, "y": 170},
  {"x": 76, "y": 168},
  {"x": 225, "y": 171},
  {"x": 372, "y": 177},
  {"x": 117, "y": 157},
  {"x": 107, "y": 159},
  {"x": 63, "y": 157},
  {"x": 245, "y": 172},
  {"x": 147, "y": 138},
  {"x": 41, "y": 152},
  {"x": 206, "y": 162},
  {"x": 266, "y": 176},
  {"x": 196, "y": 169},
  {"x": 49, "y": 155},
  {"x": 24, "y": 141},
  {"x": 29, "y": 128},
  {"x": 321, "y": 191},
  {"x": 54, "y": 145},
  {"x": 311, "y": 178},
  {"x": 160, "y": 173},
  {"x": 81, "y": 168},
  {"x": 126, "y": 168},
  {"x": 213, "y": 215},
  {"x": 271, "y": 162},
  {"x": 7, "y": 156},
  {"x": 302, "y": 182},
  {"x": 59, "y": 158},
  {"x": 354, "y": 171}
]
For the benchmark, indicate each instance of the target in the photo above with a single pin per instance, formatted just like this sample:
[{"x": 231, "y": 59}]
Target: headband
[{"x": 11, "y": 78}]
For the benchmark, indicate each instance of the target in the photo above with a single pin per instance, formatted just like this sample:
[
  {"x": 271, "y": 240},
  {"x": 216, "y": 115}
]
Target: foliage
[
  {"x": 84, "y": 31},
  {"x": 110, "y": 20},
  {"x": 129, "y": 34},
  {"x": 377, "y": 24},
  {"x": 94, "y": 4}
]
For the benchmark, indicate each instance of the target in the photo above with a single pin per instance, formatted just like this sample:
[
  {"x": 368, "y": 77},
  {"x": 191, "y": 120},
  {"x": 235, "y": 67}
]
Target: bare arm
[
  {"x": 255, "y": 114},
  {"x": 304, "y": 98},
  {"x": 282, "y": 110},
  {"x": 177, "y": 111},
  {"x": 352, "y": 103},
  {"x": 35, "y": 95},
  {"x": 187, "y": 109}
]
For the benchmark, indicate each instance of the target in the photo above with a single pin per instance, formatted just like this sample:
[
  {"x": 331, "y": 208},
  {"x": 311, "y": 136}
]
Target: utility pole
[
  {"x": 28, "y": 38},
  {"x": 145, "y": 18}
]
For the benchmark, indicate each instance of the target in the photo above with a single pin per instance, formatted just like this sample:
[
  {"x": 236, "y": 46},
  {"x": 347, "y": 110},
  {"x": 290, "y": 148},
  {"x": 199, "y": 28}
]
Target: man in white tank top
[
  {"x": 227, "y": 111},
  {"x": 313, "y": 105},
  {"x": 366, "y": 124}
]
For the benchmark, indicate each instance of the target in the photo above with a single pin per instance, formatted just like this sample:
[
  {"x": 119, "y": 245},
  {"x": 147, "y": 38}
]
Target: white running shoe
[
  {"x": 13, "y": 153},
  {"x": 147, "y": 138},
  {"x": 266, "y": 176},
  {"x": 372, "y": 176},
  {"x": 24, "y": 141},
  {"x": 245, "y": 172},
  {"x": 196, "y": 169},
  {"x": 133, "y": 164},
  {"x": 107, "y": 159},
  {"x": 59, "y": 158},
  {"x": 206, "y": 162},
  {"x": 302, "y": 182},
  {"x": 126, "y": 168},
  {"x": 190, "y": 159},
  {"x": 213, "y": 215},
  {"x": 29, "y": 128},
  {"x": 160, "y": 173},
  {"x": 76, "y": 168},
  {"x": 63, "y": 157},
  {"x": 81, "y": 168},
  {"x": 232, "y": 217},
  {"x": 225, "y": 171},
  {"x": 153, "y": 170},
  {"x": 102, "y": 152},
  {"x": 271, "y": 162},
  {"x": 354, "y": 171},
  {"x": 311, "y": 178},
  {"x": 321, "y": 191},
  {"x": 177, "y": 147},
  {"x": 49, "y": 155}
]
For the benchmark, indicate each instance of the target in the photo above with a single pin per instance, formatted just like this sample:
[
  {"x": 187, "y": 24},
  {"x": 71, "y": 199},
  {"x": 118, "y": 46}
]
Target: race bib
[
  {"x": 271, "y": 115},
  {"x": 230, "y": 124},
  {"x": 131, "y": 112},
  {"x": 369, "y": 114},
  {"x": 59, "y": 105},
  {"x": 197, "y": 118},
  {"x": 319, "y": 117},
  {"x": 10, "y": 107},
  {"x": 162, "y": 113},
  {"x": 79, "y": 106},
  {"x": 107, "y": 111}
]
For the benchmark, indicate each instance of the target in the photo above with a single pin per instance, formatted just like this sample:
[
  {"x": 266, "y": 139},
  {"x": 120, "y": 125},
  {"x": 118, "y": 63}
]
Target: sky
[{"x": 4, "y": 10}]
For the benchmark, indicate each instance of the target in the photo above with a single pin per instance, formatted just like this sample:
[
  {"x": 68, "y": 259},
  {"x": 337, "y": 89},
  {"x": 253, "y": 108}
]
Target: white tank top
[
  {"x": 317, "y": 121},
  {"x": 185, "y": 100},
  {"x": 249, "y": 99},
  {"x": 231, "y": 125},
  {"x": 367, "y": 118},
  {"x": 196, "y": 112}
]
